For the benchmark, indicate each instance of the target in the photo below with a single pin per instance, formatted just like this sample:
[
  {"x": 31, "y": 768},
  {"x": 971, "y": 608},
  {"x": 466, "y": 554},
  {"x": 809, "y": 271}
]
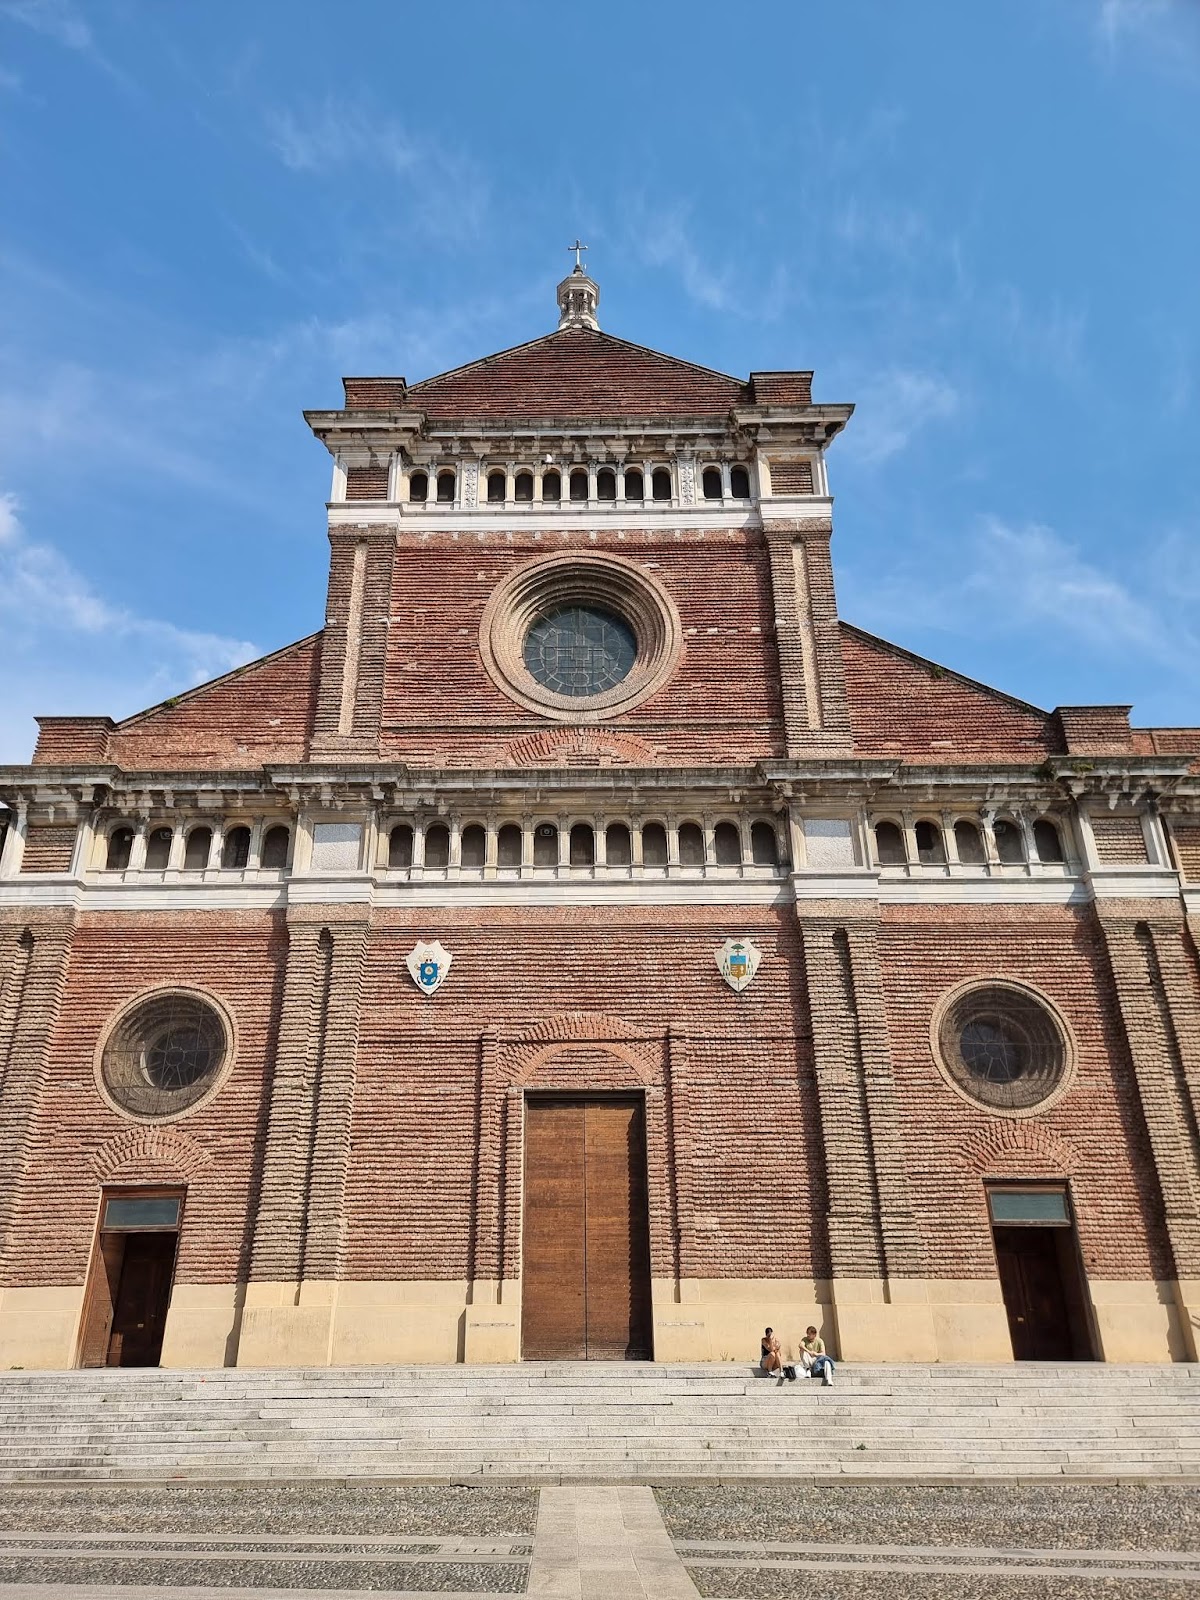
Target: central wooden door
[
  {"x": 1035, "y": 1295},
  {"x": 585, "y": 1287}
]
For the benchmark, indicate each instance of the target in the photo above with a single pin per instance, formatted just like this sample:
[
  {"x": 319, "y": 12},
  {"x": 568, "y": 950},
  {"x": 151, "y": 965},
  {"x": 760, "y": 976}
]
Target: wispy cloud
[
  {"x": 1168, "y": 29},
  {"x": 58, "y": 627},
  {"x": 65, "y": 24},
  {"x": 892, "y": 406},
  {"x": 664, "y": 240},
  {"x": 1118, "y": 17},
  {"x": 41, "y": 591},
  {"x": 1008, "y": 581},
  {"x": 447, "y": 194},
  {"x": 57, "y": 19}
]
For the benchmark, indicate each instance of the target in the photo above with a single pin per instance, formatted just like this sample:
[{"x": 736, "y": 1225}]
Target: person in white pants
[{"x": 815, "y": 1362}]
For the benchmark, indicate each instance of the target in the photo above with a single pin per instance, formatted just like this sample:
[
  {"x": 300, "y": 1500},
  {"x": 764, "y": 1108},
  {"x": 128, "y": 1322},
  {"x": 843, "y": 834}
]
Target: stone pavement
[{"x": 605, "y": 1544}]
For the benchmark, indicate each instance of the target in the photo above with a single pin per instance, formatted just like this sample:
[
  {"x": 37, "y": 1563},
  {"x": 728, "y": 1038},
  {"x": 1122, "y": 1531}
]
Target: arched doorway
[{"x": 585, "y": 1280}]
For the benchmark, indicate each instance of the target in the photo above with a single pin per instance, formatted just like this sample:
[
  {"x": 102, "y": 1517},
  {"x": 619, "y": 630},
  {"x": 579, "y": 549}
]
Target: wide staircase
[{"x": 566, "y": 1422}]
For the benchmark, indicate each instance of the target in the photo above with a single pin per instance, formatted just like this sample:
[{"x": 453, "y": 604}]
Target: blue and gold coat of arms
[{"x": 428, "y": 965}]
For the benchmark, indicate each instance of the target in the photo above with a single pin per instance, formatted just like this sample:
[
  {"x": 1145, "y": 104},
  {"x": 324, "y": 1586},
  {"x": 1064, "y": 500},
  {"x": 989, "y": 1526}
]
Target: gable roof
[
  {"x": 902, "y": 703},
  {"x": 578, "y": 372}
]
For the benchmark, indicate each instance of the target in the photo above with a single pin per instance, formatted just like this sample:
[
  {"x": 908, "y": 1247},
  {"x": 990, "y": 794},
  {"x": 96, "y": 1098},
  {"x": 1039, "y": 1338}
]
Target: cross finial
[{"x": 578, "y": 249}]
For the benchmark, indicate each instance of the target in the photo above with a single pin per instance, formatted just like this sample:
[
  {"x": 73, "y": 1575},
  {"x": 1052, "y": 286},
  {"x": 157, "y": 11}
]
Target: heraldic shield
[
  {"x": 738, "y": 961},
  {"x": 428, "y": 965}
]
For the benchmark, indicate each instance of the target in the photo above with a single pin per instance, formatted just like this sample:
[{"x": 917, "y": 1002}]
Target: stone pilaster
[
  {"x": 812, "y": 676},
  {"x": 34, "y": 960},
  {"x": 1160, "y": 1008}
]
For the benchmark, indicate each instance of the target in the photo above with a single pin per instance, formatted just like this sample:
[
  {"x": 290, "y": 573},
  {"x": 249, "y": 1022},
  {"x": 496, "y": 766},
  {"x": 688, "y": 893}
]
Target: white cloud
[
  {"x": 1011, "y": 580},
  {"x": 57, "y": 19},
  {"x": 1167, "y": 32},
  {"x": 1117, "y": 17},
  {"x": 894, "y": 405},
  {"x": 446, "y": 195},
  {"x": 59, "y": 630},
  {"x": 663, "y": 239}
]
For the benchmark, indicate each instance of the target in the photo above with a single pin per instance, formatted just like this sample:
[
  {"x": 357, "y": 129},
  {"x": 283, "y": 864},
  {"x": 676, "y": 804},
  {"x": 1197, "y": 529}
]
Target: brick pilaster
[
  {"x": 354, "y": 644},
  {"x": 301, "y": 1222},
  {"x": 812, "y": 675},
  {"x": 1160, "y": 1010},
  {"x": 34, "y": 959},
  {"x": 872, "y": 1226}
]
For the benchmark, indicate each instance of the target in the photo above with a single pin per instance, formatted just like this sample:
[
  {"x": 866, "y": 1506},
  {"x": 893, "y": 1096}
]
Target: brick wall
[
  {"x": 48, "y": 849},
  {"x": 732, "y": 1084},
  {"x": 1186, "y": 840},
  {"x": 1095, "y": 1135},
  {"x": 367, "y": 483},
  {"x": 79, "y": 1142},
  {"x": 263, "y": 712},
  {"x": 791, "y": 477},
  {"x": 1120, "y": 841},
  {"x": 721, "y": 705},
  {"x": 903, "y": 705}
]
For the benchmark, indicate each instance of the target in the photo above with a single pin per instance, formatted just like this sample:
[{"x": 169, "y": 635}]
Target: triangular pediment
[{"x": 578, "y": 373}]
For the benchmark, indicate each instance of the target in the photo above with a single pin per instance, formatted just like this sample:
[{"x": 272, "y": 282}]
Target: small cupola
[{"x": 578, "y": 296}]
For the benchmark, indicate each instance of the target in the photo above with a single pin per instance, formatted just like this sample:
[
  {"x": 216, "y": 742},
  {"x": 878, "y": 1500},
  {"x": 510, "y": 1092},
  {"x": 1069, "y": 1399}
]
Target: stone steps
[{"x": 611, "y": 1422}]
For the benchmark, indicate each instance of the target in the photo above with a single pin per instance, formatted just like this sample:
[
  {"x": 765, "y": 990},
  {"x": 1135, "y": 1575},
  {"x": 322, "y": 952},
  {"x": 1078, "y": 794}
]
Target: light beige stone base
[
  {"x": 39, "y": 1328},
  {"x": 1136, "y": 1321},
  {"x": 708, "y": 1319},
  {"x": 722, "y": 1319},
  {"x": 378, "y": 1323}
]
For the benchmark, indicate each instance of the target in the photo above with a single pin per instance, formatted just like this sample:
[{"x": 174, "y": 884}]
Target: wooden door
[
  {"x": 140, "y": 1314},
  {"x": 553, "y": 1280},
  {"x": 1034, "y": 1295},
  {"x": 586, "y": 1269},
  {"x": 100, "y": 1300}
]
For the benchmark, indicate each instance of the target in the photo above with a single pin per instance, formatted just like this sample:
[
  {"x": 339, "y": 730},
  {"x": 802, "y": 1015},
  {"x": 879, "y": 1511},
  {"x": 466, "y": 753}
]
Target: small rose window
[
  {"x": 580, "y": 650},
  {"x": 164, "y": 1054},
  {"x": 1002, "y": 1046}
]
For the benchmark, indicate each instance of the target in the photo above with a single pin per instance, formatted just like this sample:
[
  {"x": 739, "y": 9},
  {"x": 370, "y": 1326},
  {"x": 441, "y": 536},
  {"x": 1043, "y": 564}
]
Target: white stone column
[
  {"x": 949, "y": 842},
  {"x": 527, "y": 827},
  {"x": 175, "y": 853},
  {"x": 137, "y": 851},
  {"x": 600, "y": 843},
  {"x": 710, "y": 850},
  {"x": 14, "y": 841},
  {"x": 910, "y": 842}
]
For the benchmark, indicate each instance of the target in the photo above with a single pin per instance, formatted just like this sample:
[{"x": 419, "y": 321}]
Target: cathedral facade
[{"x": 586, "y": 944}]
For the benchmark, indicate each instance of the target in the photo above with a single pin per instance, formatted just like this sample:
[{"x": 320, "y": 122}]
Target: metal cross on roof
[{"x": 578, "y": 249}]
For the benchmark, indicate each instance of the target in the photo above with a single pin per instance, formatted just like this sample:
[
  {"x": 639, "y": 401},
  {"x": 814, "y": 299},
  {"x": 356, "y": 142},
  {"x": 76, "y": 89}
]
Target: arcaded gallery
[{"x": 587, "y": 945}]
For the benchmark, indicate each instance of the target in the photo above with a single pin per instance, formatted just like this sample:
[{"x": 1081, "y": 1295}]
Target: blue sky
[{"x": 977, "y": 221}]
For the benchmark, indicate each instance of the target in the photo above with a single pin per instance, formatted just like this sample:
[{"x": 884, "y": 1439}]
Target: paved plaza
[{"x": 729, "y": 1542}]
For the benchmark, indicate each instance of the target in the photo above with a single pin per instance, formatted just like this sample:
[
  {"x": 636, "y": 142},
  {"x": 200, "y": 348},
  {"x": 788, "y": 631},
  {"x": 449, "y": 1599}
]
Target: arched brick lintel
[
  {"x": 149, "y": 1155},
  {"x": 1018, "y": 1149}
]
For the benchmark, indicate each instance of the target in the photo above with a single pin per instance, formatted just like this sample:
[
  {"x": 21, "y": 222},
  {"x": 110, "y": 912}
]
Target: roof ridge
[
  {"x": 175, "y": 700},
  {"x": 927, "y": 661},
  {"x": 580, "y": 332}
]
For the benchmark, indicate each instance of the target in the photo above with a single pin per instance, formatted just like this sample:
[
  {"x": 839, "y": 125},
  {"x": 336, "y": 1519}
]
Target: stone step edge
[{"x": 654, "y": 1479}]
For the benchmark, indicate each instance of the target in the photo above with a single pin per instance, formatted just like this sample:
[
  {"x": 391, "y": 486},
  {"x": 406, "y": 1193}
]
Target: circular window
[
  {"x": 580, "y": 650},
  {"x": 165, "y": 1054},
  {"x": 580, "y": 638},
  {"x": 1003, "y": 1046}
]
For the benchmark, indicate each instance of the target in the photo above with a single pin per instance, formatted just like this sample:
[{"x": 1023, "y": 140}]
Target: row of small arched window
[
  {"x": 581, "y": 845},
  {"x": 891, "y": 849},
  {"x": 198, "y": 848},
  {"x": 578, "y": 485}
]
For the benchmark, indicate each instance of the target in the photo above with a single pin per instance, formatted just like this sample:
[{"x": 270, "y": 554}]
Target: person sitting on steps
[
  {"x": 771, "y": 1360},
  {"x": 813, "y": 1358}
]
